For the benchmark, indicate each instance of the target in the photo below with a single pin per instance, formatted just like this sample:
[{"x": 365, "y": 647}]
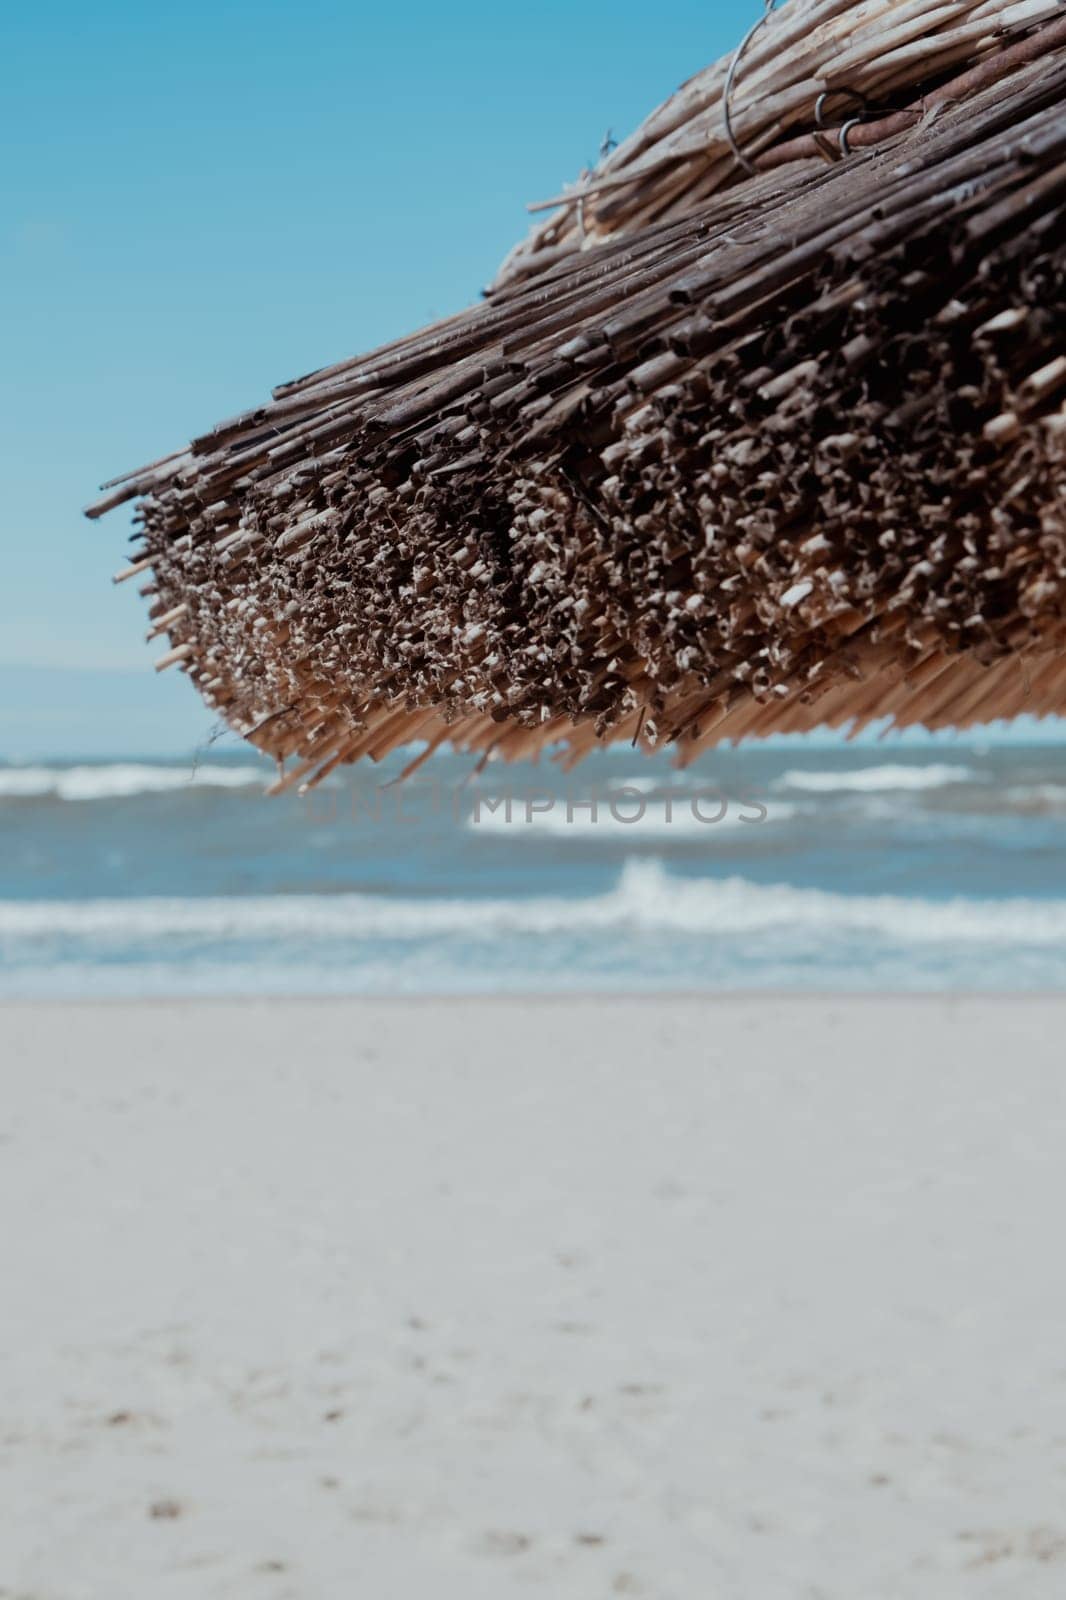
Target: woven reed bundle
[
  {"x": 797, "y": 458},
  {"x": 885, "y": 58}
]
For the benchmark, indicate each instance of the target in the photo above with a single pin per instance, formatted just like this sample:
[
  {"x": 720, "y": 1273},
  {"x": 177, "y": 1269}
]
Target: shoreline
[{"x": 752, "y": 998}]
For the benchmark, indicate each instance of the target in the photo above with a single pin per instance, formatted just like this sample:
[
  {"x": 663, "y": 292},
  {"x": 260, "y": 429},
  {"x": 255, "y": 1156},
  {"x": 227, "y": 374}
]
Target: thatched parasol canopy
[{"x": 741, "y": 441}]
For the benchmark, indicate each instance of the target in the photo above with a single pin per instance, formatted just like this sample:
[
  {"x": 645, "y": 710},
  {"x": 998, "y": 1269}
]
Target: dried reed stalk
[{"x": 877, "y": 54}]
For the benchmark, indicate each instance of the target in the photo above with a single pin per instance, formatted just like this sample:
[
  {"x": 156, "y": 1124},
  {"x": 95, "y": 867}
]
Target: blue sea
[{"x": 880, "y": 867}]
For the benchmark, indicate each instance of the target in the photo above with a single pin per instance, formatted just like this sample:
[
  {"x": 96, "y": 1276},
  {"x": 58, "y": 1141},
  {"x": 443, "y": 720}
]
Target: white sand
[{"x": 696, "y": 1300}]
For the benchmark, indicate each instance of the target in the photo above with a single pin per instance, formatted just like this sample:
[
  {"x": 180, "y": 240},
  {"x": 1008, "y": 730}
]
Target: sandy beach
[{"x": 758, "y": 1299}]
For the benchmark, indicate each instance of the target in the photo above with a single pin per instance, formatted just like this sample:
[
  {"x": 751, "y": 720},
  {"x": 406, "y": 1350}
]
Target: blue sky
[{"x": 198, "y": 202}]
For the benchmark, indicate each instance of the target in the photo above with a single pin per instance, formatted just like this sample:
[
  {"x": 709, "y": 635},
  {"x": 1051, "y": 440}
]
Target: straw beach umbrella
[{"x": 763, "y": 429}]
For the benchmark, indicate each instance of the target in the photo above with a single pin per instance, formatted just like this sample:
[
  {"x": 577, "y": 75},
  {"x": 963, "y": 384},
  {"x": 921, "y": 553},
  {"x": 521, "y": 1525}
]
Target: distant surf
[
  {"x": 645, "y": 899},
  {"x": 132, "y": 876},
  {"x": 875, "y": 779},
  {"x": 121, "y": 780}
]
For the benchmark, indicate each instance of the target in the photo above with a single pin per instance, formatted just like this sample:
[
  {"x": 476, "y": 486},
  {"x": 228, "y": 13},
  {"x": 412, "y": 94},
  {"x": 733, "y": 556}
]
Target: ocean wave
[
  {"x": 870, "y": 779},
  {"x": 1036, "y": 797},
  {"x": 646, "y": 900},
  {"x": 120, "y": 780}
]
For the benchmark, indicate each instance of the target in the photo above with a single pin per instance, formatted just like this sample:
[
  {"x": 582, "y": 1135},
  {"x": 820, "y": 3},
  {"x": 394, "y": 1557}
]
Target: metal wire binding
[
  {"x": 864, "y": 113},
  {"x": 730, "y": 79},
  {"x": 854, "y": 95},
  {"x": 845, "y": 130},
  {"x": 851, "y": 94}
]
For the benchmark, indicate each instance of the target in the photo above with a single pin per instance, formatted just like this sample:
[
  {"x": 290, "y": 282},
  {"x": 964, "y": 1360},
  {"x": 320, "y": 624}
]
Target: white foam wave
[
  {"x": 644, "y": 784},
  {"x": 1037, "y": 796},
  {"x": 119, "y": 780},
  {"x": 646, "y": 900},
  {"x": 868, "y": 779}
]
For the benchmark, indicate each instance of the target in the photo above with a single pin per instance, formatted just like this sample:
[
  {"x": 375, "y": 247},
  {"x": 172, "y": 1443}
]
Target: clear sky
[{"x": 200, "y": 201}]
